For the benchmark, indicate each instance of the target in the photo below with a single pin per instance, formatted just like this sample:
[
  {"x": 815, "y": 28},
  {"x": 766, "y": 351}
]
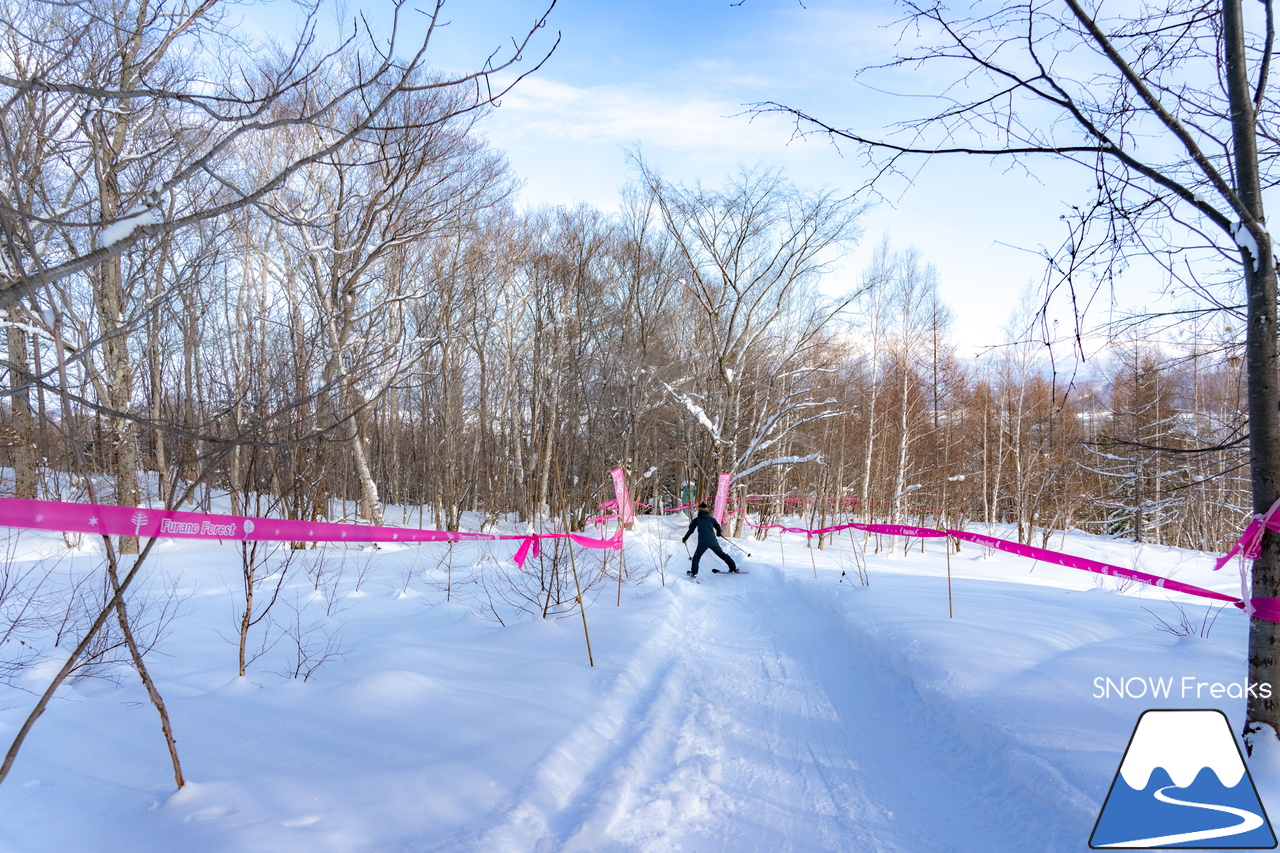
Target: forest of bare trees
[
  {"x": 367, "y": 318},
  {"x": 395, "y": 332},
  {"x": 311, "y": 290}
]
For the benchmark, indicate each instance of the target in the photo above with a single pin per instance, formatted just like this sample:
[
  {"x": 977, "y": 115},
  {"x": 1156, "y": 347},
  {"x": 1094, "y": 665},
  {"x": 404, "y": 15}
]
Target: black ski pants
[{"x": 714, "y": 548}]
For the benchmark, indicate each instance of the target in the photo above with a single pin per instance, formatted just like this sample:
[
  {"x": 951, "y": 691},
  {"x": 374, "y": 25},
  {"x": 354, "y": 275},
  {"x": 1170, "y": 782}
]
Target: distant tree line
[{"x": 367, "y": 319}]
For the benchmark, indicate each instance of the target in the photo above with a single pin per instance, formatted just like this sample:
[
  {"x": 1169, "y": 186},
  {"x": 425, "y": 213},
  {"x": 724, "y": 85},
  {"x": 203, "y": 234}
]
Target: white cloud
[
  {"x": 547, "y": 110},
  {"x": 568, "y": 143}
]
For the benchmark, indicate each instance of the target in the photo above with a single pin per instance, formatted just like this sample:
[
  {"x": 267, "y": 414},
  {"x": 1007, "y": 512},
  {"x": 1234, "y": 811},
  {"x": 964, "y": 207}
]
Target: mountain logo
[{"x": 1183, "y": 783}]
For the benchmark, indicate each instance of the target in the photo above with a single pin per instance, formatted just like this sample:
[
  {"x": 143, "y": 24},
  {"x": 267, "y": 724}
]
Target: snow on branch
[
  {"x": 764, "y": 439},
  {"x": 141, "y": 216},
  {"x": 698, "y": 412},
  {"x": 34, "y": 331},
  {"x": 781, "y": 460},
  {"x": 1245, "y": 240}
]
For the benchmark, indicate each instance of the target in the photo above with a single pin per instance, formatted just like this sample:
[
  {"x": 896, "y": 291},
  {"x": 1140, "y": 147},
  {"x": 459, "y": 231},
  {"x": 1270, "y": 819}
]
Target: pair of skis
[{"x": 694, "y": 578}]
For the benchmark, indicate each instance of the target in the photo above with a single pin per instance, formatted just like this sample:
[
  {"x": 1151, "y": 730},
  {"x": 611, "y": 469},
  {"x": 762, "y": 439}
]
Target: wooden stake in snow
[
  {"x": 622, "y": 567},
  {"x": 951, "y": 614},
  {"x": 573, "y": 563}
]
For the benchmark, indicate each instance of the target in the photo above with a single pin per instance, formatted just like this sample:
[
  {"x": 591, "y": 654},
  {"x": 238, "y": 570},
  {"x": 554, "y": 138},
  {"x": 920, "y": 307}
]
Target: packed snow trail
[{"x": 748, "y": 721}]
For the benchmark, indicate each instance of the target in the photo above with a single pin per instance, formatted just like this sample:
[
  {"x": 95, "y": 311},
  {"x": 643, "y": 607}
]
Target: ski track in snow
[{"x": 733, "y": 727}]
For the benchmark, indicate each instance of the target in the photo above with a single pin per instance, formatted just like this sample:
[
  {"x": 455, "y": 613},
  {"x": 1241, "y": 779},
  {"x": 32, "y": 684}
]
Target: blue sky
[{"x": 674, "y": 77}]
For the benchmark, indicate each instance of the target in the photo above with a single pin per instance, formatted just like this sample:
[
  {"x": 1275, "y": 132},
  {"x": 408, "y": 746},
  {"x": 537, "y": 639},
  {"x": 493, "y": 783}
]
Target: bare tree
[
  {"x": 353, "y": 224},
  {"x": 22, "y": 423},
  {"x": 751, "y": 254},
  {"x": 1143, "y": 490},
  {"x": 214, "y": 121},
  {"x": 874, "y": 317},
  {"x": 913, "y": 295}
]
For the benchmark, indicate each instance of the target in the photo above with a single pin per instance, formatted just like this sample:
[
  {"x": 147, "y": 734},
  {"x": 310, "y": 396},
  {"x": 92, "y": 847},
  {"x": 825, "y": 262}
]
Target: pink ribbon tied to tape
[
  {"x": 530, "y": 545},
  {"x": 1249, "y": 547}
]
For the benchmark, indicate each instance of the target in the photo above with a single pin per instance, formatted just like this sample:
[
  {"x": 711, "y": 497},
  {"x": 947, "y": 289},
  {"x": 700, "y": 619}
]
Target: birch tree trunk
[
  {"x": 23, "y": 449},
  {"x": 1262, "y": 358}
]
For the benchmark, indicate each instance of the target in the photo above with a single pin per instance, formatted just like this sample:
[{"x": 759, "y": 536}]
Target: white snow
[
  {"x": 1245, "y": 240},
  {"x": 35, "y": 331},
  {"x": 767, "y": 712},
  {"x": 123, "y": 227},
  {"x": 781, "y": 460},
  {"x": 697, "y": 411}
]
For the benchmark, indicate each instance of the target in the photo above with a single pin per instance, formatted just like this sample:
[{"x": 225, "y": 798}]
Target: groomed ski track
[{"x": 754, "y": 718}]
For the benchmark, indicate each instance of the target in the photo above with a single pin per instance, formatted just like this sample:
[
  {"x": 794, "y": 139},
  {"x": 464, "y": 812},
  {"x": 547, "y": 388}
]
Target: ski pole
[{"x": 736, "y": 545}]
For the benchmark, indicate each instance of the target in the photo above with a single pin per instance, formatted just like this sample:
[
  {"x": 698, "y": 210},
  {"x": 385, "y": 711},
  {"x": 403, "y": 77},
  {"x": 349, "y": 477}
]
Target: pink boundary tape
[
  {"x": 105, "y": 520},
  {"x": 1267, "y": 609}
]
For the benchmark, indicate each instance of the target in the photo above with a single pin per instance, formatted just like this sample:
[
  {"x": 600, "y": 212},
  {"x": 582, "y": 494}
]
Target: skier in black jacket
[{"x": 708, "y": 529}]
